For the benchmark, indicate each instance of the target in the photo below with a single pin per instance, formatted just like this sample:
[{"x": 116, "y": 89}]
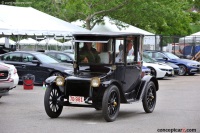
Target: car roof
[
  {"x": 156, "y": 51},
  {"x": 109, "y": 34},
  {"x": 102, "y": 37},
  {"x": 54, "y": 51},
  {"x": 30, "y": 52}
]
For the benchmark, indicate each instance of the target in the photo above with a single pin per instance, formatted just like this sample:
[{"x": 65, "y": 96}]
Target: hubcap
[
  {"x": 182, "y": 70},
  {"x": 150, "y": 98},
  {"x": 112, "y": 103},
  {"x": 53, "y": 100}
]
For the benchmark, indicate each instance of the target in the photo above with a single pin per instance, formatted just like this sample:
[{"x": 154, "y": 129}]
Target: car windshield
[
  {"x": 95, "y": 53},
  {"x": 171, "y": 56},
  {"x": 45, "y": 58},
  {"x": 71, "y": 55},
  {"x": 148, "y": 59}
]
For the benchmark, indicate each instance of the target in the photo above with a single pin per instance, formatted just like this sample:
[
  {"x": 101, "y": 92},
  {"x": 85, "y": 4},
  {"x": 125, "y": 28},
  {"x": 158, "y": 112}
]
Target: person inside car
[{"x": 88, "y": 54}]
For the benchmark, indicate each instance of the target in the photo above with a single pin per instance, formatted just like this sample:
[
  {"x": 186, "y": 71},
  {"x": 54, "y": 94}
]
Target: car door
[
  {"x": 37, "y": 69},
  {"x": 15, "y": 59},
  {"x": 131, "y": 76}
]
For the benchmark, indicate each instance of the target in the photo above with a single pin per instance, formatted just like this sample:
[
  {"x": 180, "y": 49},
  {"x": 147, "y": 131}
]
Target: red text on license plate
[{"x": 76, "y": 99}]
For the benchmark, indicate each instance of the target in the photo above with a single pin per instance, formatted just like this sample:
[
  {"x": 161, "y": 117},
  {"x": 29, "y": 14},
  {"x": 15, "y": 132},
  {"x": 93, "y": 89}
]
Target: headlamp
[
  {"x": 95, "y": 82},
  {"x": 60, "y": 81}
]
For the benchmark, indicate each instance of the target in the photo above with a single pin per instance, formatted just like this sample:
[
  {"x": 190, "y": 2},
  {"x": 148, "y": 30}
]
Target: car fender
[
  {"x": 106, "y": 84},
  {"x": 51, "y": 81},
  {"x": 145, "y": 80}
]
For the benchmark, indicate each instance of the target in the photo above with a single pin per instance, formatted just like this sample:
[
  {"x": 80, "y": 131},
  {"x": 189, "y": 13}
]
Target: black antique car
[{"x": 101, "y": 79}]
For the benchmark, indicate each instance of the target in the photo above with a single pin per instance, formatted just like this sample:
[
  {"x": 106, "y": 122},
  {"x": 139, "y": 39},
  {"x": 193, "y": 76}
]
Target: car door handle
[{"x": 23, "y": 66}]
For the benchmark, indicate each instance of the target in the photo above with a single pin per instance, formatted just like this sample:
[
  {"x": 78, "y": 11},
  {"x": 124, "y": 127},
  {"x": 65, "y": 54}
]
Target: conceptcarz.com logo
[{"x": 175, "y": 130}]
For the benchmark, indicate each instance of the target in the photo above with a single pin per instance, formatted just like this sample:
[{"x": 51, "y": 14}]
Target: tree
[{"x": 167, "y": 17}]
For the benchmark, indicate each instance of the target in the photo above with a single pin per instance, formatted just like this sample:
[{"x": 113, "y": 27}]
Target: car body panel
[
  {"x": 61, "y": 56},
  {"x": 161, "y": 69},
  {"x": 99, "y": 80},
  {"x": 41, "y": 69},
  {"x": 8, "y": 78},
  {"x": 192, "y": 66}
]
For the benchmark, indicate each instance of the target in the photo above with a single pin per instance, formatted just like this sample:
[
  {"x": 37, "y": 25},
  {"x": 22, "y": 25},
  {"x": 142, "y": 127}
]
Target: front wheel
[
  {"x": 153, "y": 72},
  {"x": 52, "y": 108},
  {"x": 149, "y": 99},
  {"x": 182, "y": 70},
  {"x": 111, "y": 103}
]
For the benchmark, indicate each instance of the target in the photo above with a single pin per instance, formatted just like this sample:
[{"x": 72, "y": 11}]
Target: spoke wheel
[
  {"x": 149, "y": 99},
  {"x": 111, "y": 103},
  {"x": 182, "y": 70},
  {"x": 52, "y": 108}
]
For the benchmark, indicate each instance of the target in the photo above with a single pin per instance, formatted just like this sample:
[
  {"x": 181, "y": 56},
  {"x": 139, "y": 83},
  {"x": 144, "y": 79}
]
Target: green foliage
[{"x": 166, "y": 17}]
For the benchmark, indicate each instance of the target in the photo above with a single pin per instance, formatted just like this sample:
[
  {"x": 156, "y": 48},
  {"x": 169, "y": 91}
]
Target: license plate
[{"x": 76, "y": 99}]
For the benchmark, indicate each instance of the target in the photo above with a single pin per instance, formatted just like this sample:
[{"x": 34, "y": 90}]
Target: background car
[
  {"x": 158, "y": 70},
  {"x": 61, "y": 56},
  {"x": 35, "y": 63},
  {"x": 186, "y": 66},
  {"x": 8, "y": 78},
  {"x": 175, "y": 67}
]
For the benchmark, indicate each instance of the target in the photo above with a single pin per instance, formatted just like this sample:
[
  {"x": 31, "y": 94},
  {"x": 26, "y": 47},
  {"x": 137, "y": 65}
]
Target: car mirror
[
  {"x": 69, "y": 61},
  {"x": 35, "y": 62},
  {"x": 165, "y": 58}
]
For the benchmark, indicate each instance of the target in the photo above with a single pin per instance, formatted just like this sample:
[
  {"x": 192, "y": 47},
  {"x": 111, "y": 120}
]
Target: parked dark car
[
  {"x": 186, "y": 66},
  {"x": 61, "y": 56},
  {"x": 98, "y": 81},
  {"x": 35, "y": 63}
]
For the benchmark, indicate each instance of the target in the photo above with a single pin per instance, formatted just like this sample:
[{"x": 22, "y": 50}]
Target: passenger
[
  {"x": 88, "y": 54},
  {"x": 130, "y": 55},
  {"x": 130, "y": 47},
  {"x": 120, "y": 56}
]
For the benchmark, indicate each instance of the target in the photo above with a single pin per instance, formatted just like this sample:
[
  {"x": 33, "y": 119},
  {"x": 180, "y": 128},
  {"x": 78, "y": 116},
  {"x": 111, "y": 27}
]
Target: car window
[
  {"x": 45, "y": 58},
  {"x": 120, "y": 54},
  {"x": 149, "y": 54},
  {"x": 63, "y": 57},
  {"x": 148, "y": 59},
  {"x": 159, "y": 55},
  {"x": 28, "y": 58},
  {"x": 12, "y": 57},
  {"x": 171, "y": 56},
  {"x": 51, "y": 54}
]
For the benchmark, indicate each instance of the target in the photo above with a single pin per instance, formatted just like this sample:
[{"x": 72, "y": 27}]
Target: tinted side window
[
  {"x": 51, "y": 55},
  {"x": 28, "y": 58},
  {"x": 63, "y": 57},
  {"x": 12, "y": 57}
]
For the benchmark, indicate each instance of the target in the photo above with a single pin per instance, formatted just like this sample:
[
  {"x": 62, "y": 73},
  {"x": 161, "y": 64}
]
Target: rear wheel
[
  {"x": 111, "y": 103},
  {"x": 153, "y": 71},
  {"x": 149, "y": 99},
  {"x": 182, "y": 70},
  {"x": 52, "y": 108}
]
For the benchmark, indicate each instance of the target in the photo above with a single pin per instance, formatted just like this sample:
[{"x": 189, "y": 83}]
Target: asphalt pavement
[{"x": 177, "y": 110}]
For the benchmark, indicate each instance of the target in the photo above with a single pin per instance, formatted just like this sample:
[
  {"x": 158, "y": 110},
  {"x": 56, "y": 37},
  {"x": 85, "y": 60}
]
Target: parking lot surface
[{"x": 177, "y": 109}]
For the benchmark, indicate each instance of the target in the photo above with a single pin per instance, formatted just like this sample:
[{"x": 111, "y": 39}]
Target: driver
[{"x": 88, "y": 54}]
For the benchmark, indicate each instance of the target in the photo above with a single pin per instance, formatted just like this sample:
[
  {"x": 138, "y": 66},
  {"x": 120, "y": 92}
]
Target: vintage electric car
[{"x": 99, "y": 80}]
